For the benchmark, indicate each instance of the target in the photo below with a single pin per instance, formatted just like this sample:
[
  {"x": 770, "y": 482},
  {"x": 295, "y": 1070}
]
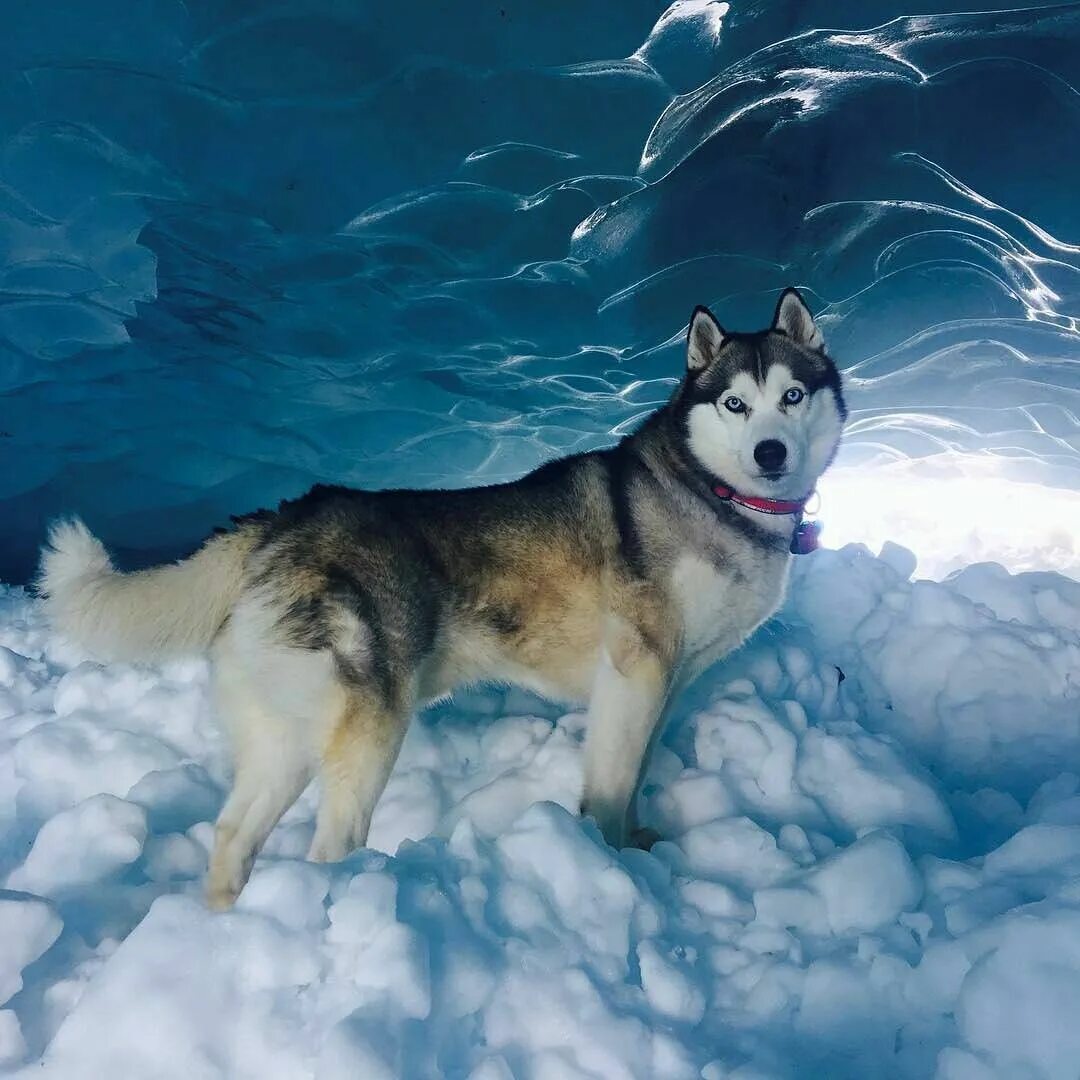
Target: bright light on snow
[{"x": 954, "y": 514}]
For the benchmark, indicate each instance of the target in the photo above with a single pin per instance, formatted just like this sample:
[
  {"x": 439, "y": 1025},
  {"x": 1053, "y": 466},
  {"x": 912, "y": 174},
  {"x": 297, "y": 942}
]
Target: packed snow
[{"x": 868, "y": 865}]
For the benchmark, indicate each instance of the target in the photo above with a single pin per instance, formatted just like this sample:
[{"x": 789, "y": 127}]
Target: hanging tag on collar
[{"x": 805, "y": 537}]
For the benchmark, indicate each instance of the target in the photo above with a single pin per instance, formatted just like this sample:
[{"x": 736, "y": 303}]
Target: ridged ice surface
[{"x": 244, "y": 247}]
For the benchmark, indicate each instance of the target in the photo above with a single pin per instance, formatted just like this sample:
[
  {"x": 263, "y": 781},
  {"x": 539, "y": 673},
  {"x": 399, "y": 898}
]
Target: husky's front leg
[{"x": 627, "y": 705}]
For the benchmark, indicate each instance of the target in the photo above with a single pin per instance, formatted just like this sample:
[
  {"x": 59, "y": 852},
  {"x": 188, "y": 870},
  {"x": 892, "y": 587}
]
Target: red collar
[
  {"x": 807, "y": 533},
  {"x": 765, "y": 506}
]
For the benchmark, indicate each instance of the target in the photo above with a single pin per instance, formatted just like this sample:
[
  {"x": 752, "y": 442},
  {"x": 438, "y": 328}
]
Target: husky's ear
[
  {"x": 703, "y": 340},
  {"x": 794, "y": 318}
]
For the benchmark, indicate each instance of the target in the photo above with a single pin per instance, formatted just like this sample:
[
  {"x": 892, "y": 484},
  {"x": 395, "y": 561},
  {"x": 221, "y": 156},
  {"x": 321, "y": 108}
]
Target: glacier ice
[{"x": 242, "y": 250}]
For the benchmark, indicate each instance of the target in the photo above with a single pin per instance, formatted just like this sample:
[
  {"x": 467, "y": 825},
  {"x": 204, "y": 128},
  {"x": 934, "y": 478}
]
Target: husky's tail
[{"x": 171, "y": 610}]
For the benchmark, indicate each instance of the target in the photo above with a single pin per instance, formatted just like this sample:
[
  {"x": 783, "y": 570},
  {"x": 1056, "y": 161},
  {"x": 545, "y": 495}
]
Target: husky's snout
[{"x": 770, "y": 454}]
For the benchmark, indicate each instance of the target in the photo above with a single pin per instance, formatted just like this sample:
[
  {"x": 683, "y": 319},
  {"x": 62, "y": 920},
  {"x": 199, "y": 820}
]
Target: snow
[
  {"x": 30, "y": 926},
  {"x": 88, "y": 843},
  {"x": 878, "y": 875}
]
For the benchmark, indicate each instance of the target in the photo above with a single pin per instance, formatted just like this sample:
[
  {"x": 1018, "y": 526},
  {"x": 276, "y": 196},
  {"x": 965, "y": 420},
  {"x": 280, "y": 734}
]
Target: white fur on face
[{"x": 724, "y": 441}]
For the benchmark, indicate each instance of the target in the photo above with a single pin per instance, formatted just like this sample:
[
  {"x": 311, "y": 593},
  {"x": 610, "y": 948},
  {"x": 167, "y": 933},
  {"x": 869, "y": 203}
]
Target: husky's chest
[{"x": 721, "y": 606}]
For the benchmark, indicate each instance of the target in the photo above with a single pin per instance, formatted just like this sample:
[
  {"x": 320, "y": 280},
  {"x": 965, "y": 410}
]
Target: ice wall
[{"x": 244, "y": 247}]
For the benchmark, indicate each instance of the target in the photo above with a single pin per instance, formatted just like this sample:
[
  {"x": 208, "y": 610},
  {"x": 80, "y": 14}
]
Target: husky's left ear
[
  {"x": 703, "y": 340},
  {"x": 794, "y": 318}
]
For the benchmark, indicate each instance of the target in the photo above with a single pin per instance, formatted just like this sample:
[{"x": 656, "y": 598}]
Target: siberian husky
[{"x": 613, "y": 577}]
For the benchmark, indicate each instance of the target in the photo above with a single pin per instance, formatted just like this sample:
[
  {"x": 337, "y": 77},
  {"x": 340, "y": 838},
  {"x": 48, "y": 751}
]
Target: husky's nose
[{"x": 770, "y": 454}]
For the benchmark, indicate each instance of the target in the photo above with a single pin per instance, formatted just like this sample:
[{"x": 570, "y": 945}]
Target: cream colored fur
[{"x": 170, "y": 610}]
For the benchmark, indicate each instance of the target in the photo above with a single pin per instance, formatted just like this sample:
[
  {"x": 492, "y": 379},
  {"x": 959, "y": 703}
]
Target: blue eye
[
  {"x": 734, "y": 404},
  {"x": 794, "y": 396}
]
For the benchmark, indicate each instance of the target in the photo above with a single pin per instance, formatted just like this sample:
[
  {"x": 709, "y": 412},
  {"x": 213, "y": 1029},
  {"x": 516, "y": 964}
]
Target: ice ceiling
[{"x": 248, "y": 246}]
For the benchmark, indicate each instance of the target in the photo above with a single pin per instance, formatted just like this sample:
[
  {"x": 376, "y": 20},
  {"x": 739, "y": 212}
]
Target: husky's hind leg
[
  {"x": 263, "y": 790},
  {"x": 274, "y": 700},
  {"x": 356, "y": 763},
  {"x": 272, "y": 768}
]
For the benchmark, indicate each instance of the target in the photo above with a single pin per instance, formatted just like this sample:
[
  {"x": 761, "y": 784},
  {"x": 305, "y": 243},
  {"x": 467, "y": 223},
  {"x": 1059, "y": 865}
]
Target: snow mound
[{"x": 869, "y": 865}]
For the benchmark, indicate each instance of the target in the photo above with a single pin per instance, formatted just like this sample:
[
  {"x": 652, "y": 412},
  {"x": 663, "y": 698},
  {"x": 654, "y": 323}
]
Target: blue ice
[{"x": 246, "y": 248}]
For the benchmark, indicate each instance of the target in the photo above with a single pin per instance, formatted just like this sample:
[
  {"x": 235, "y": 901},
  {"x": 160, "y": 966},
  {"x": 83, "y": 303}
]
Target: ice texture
[
  {"x": 868, "y": 865},
  {"x": 246, "y": 248}
]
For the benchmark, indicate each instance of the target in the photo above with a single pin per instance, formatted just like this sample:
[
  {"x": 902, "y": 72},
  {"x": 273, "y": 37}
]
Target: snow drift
[{"x": 870, "y": 866}]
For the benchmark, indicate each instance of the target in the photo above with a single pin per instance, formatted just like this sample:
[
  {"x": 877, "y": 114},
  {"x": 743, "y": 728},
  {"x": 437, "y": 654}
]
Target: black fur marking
[
  {"x": 619, "y": 476},
  {"x": 505, "y": 620},
  {"x": 376, "y": 663},
  {"x": 738, "y": 355},
  {"x": 419, "y": 611},
  {"x": 305, "y": 623}
]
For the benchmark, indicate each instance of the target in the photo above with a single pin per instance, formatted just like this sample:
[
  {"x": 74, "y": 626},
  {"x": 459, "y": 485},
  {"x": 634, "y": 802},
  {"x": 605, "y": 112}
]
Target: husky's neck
[{"x": 661, "y": 447}]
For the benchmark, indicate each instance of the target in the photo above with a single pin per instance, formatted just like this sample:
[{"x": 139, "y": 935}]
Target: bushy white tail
[{"x": 170, "y": 610}]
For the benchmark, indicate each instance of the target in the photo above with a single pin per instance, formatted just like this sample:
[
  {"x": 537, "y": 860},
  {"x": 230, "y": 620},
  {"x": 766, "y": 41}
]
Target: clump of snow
[
  {"x": 84, "y": 845},
  {"x": 869, "y": 864},
  {"x": 28, "y": 927}
]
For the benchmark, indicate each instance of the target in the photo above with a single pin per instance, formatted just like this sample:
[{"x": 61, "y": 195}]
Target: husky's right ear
[{"x": 703, "y": 340}]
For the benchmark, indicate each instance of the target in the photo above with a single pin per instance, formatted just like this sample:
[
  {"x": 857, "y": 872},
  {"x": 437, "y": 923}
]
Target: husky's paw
[
  {"x": 222, "y": 891},
  {"x": 223, "y": 884},
  {"x": 220, "y": 898},
  {"x": 326, "y": 851},
  {"x": 612, "y": 826},
  {"x": 644, "y": 838}
]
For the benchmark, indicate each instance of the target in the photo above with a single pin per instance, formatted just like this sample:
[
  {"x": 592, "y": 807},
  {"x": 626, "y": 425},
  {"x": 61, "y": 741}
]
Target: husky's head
[{"x": 762, "y": 412}]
